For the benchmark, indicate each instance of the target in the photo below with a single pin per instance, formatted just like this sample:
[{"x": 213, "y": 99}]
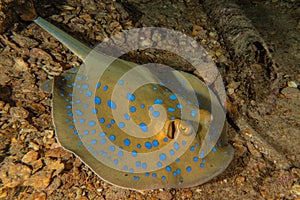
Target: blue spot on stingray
[
  {"x": 77, "y": 101},
  {"x": 150, "y": 108},
  {"x": 120, "y": 153},
  {"x": 163, "y": 178},
  {"x": 125, "y": 167},
  {"x": 127, "y": 117},
  {"x": 92, "y": 123},
  {"x": 179, "y": 106},
  {"x": 174, "y": 174},
  {"x": 162, "y": 157},
  {"x": 105, "y": 88},
  {"x": 148, "y": 145},
  {"x": 82, "y": 120},
  {"x": 155, "y": 88},
  {"x": 94, "y": 142},
  {"x": 130, "y": 97},
  {"x": 154, "y": 175},
  {"x": 193, "y": 113},
  {"x": 168, "y": 168},
  {"x": 121, "y": 82},
  {"x": 131, "y": 170},
  {"x": 202, "y": 165},
  {"x": 192, "y": 148},
  {"x": 108, "y": 125},
  {"x": 102, "y": 134},
  {"x": 155, "y": 143},
  {"x": 112, "y": 137},
  {"x": 159, "y": 164},
  {"x": 183, "y": 143},
  {"x": 98, "y": 85},
  {"x": 79, "y": 78},
  {"x": 134, "y": 153},
  {"x": 136, "y": 178},
  {"x": 78, "y": 112},
  {"x": 97, "y": 100},
  {"x": 144, "y": 166},
  {"x": 172, "y": 152},
  {"x": 178, "y": 171},
  {"x": 112, "y": 121},
  {"x": 147, "y": 174},
  {"x": 121, "y": 124},
  {"x": 142, "y": 105},
  {"x": 158, "y": 101},
  {"x": 88, "y": 93},
  {"x": 85, "y": 86},
  {"x": 138, "y": 146},
  {"x": 195, "y": 159},
  {"x": 112, "y": 148},
  {"x": 214, "y": 149},
  {"x": 116, "y": 161},
  {"x": 165, "y": 139},
  {"x": 85, "y": 105},
  {"x": 111, "y": 104},
  {"x": 143, "y": 127},
  {"x": 138, "y": 164},
  {"x": 72, "y": 126},
  {"x": 132, "y": 109},
  {"x": 126, "y": 142},
  {"x": 94, "y": 110},
  {"x": 176, "y": 146},
  {"x": 171, "y": 109},
  {"x": 173, "y": 97},
  {"x": 85, "y": 132},
  {"x": 102, "y": 120},
  {"x": 155, "y": 113},
  {"x": 103, "y": 141}
]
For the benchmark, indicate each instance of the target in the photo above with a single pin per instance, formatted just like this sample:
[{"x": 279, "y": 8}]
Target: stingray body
[{"x": 138, "y": 140}]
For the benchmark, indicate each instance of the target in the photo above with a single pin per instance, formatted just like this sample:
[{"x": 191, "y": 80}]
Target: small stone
[
  {"x": 240, "y": 179},
  {"x": 14, "y": 175},
  {"x": 234, "y": 85},
  {"x": 291, "y": 93},
  {"x": 29, "y": 157},
  {"x": 54, "y": 185},
  {"x": 292, "y": 84},
  {"x": 54, "y": 165},
  {"x": 230, "y": 91},
  {"x": 39, "y": 180},
  {"x": 20, "y": 65},
  {"x": 18, "y": 113},
  {"x": 34, "y": 146},
  {"x": 253, "y": 150},
  {"x": 39, "y": 196},
  {"x": 296, "y": 189},
  {"x": 36, "y": 165}
]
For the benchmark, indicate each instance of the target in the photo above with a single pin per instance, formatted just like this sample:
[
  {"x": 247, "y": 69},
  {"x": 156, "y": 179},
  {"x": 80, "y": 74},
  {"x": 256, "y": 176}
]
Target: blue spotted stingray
[{"x": 123, "y": 140}]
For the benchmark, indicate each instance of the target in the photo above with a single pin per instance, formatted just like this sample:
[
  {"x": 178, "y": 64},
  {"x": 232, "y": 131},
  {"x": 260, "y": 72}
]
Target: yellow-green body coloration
[{"x": 82, "y": 136}]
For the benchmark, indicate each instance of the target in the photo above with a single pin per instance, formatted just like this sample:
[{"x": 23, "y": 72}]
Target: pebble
[
  {"x": 230, "y": 91},
  {"x": 13, "y": 175},
  {"x": 292, "y": 84},
  {"x": 296, "y": 189},
  {"x": 40, "y": 180},
  {"x": 30, "y": 156},
  {"x": 18, "y": 113},
  {"x": 291, "y": 92},
  {"x": 20, "y": 65}
]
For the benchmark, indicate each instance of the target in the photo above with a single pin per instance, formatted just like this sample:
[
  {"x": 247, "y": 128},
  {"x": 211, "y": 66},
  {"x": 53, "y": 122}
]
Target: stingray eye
[{"x": 185, "y": 128}]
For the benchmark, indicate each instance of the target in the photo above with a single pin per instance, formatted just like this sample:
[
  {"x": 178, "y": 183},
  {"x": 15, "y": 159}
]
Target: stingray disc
[{"x": 144, "y": 137}]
